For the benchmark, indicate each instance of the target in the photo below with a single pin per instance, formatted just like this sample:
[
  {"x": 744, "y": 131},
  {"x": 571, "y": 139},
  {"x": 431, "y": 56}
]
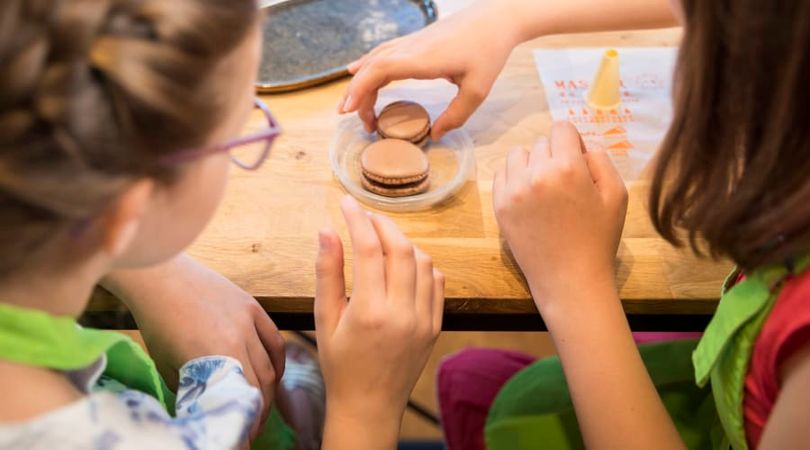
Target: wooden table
[{"x": 264, "y": 235}]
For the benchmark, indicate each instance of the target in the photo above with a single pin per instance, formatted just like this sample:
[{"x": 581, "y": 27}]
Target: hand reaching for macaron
[
  {"x": 373, "y": 348},
  {"x": 469, "y": 49}
]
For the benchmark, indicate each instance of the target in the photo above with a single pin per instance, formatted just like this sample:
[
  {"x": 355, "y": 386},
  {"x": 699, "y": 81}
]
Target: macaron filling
[{"x": 398, "y": 190}]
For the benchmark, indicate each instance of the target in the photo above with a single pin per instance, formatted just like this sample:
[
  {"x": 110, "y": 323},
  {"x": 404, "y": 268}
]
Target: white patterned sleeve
[{"x": 216, "y": 408}]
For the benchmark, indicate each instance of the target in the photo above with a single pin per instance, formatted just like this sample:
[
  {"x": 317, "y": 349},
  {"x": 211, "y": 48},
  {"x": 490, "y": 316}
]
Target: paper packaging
[{"x": 630, "y": 133}]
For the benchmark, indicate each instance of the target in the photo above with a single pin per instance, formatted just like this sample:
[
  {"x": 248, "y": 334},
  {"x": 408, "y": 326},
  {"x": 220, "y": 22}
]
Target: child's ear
[{"x": 122, "y": 218}]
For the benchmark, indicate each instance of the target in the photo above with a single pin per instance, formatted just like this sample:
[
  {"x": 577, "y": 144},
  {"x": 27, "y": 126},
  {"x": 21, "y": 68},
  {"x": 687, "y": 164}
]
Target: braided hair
[{"x": 92, "y": 93}]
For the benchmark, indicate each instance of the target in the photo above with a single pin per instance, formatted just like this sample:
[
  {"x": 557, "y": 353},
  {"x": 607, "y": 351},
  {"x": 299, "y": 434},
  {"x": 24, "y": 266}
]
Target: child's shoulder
[
  {"x": 787, "y": 328},
  {"x": 28, "y": 392},
  {"x": 782, "y": 347}
]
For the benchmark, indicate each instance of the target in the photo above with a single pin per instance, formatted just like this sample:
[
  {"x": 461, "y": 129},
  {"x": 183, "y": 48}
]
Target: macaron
[
  {"x": 404, "y": 120},
  {"x": 395, "y": 168}
]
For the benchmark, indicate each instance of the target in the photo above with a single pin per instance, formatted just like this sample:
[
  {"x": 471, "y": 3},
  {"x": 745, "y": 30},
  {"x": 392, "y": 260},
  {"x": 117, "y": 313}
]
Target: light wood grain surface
[{"x": 264, "y": 234}]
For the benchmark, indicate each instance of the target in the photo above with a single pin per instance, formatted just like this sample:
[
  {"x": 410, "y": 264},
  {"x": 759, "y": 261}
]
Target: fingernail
[
  {"x": 323, "y": 240},
  {"x": 350, "y": 201},
  {"x": 348, "y": 105},
  {"x": 339, "y": 106}
]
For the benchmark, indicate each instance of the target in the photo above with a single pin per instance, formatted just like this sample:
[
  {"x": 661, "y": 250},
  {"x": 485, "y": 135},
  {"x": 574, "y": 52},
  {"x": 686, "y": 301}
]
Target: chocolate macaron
[
  {"x": 395, "y": 168},
  {"x": 404, "y": 120}
]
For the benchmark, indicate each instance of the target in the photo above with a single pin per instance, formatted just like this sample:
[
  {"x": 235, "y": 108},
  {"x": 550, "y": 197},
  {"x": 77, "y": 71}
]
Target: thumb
[
  {"x": 469, "y": 98},
  {"x": 605, "y": 176},
  {"x": 330, "y": 287}
]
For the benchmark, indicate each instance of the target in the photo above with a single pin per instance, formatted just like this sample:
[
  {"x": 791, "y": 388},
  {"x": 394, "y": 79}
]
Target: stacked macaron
[
  {"x": 396, "y": 166},
  {"x": 404, "y": 120}
]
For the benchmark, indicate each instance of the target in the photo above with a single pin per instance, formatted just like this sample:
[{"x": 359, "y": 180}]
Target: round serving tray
[{"x": 309, "y": 42}]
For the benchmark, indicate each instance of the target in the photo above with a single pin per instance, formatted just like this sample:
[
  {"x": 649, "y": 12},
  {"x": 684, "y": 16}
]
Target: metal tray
[{"x": 309, "y": 42}]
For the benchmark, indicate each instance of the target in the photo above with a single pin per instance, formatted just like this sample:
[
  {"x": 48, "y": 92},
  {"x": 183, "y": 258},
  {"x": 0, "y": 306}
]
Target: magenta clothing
[{"x": 469, "y": 381}]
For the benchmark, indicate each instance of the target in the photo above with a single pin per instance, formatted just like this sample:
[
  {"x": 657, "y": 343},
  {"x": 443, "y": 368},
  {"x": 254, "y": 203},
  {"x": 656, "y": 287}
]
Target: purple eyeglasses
[{"x": 248, "y": 152}]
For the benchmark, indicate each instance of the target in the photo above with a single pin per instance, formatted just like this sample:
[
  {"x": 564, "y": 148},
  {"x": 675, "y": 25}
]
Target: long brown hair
[
  {"x": 92, "y": 92},
  {"x": 734, "y": 169}
]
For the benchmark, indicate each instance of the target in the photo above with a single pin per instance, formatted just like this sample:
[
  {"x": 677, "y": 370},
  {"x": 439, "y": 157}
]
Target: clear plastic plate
[{"x": 452, "y": 164}]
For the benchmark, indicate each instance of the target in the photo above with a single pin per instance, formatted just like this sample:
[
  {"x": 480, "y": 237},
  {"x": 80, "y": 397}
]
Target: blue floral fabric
[{"x": 215, "y": 409}]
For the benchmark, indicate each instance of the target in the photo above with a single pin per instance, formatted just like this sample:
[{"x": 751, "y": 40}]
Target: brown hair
[
  {"x": 734, "y": 169},
  {"x": 92, "y": 92}
]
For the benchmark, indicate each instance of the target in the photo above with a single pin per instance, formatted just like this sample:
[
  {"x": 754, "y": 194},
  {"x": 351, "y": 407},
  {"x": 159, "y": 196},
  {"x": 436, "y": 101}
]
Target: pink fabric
[
  {"x": 468, "y": 383},
  {"x": 786, "y": 331}
]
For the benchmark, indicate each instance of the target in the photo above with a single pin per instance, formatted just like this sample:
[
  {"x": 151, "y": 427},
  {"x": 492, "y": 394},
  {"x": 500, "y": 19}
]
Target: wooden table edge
[{"x": 461, "y": 314}]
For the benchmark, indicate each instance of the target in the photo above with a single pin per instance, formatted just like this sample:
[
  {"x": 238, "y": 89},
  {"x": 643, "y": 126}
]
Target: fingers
[
  {"x": 252, "y": 379},
  {"x": 516, "y": 161},
  {"x": 498, "y": 187},
  {"x": 272, "y": 341},
  {"x": 368, "y": 266},
  {"x": 400, "y": 260},
  {"x": 366, "y": 112},
  {"x": 355, "y": 65},
  {"x": 469, "y": 98},
  {"x": 605, "y": 176},
  {"x": 370, "y": 78},
  {"x": 358, "y": 64},
  {"x": 438, "y": 301},
  {"x": 424, "y": 288},
  {"x": 264, "y": 373},
  {"x": 330, "y": 285},
  {"x": 540, "y": 154},
  {"x": 566, "y": 143}
]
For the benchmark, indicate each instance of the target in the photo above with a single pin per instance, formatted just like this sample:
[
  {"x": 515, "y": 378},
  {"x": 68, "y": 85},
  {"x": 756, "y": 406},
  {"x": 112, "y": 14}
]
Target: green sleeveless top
[{"x": 724, "y": 352}]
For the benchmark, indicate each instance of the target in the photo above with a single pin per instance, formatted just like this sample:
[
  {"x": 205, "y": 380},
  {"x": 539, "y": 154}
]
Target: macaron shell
[
  {"x": 419, "y": 140},
  {"x": 403, "y": 120},
  {"x": 397, "y": 191},
  {"x": 394, "y": 159}
]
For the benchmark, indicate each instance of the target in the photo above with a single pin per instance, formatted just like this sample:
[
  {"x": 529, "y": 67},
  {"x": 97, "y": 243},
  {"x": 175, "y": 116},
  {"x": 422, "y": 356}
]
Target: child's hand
[
  {"x": 374, "y": 347},
  {"x": 468, "y": 49},
  {"x": 562, "y": 211},
  {"x": 186, "y": 310}
]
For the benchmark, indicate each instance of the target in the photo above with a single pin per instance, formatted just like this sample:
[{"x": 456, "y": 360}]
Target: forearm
[
  {"x": 352, "y": 432},
  {"x": 531, "y": 19},
  {"x": 616, "y": 403},
  {"x": 139, "y": 287}
]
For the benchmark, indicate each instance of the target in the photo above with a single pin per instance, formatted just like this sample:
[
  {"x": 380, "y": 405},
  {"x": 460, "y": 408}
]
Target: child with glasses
[{"x": 117, "y": 129}]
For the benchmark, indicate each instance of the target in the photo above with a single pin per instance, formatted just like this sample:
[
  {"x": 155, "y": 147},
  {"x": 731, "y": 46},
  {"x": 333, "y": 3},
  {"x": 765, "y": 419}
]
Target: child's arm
[
  {"x": 562, "y": 211},
  {"x": 787, "y": 423},
  {"x": 470, "y": 48},
  {"x": 373, "y": 348},
  {"x": 185, "y": 310}
]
